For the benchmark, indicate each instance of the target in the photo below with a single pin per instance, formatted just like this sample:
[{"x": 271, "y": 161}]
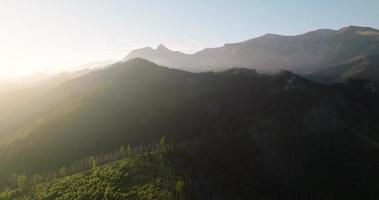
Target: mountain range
[
  {"x": 302, "y": 54},
  {"x": 209, "y": 125}
]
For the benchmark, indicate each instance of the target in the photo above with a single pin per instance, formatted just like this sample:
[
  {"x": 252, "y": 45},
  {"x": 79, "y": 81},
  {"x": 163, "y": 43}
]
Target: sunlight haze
[
  {"x": 50, "y": 36},
  {"x": 189, "y": 100}
]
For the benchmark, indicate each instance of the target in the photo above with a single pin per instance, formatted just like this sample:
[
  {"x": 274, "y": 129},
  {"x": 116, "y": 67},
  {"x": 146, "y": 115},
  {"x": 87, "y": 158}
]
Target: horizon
[
  {"x": 184, "y": 100},
  {"x": 51, "y": 37}
]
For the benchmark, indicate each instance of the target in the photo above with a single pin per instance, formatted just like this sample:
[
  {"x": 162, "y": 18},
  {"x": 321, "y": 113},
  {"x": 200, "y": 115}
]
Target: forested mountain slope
[
  {"x": 361, "y": 67},
  {"x": 141, "y": 175},
  {"x": 238, "y": 134},
  {"x": 27, "y": 98}
]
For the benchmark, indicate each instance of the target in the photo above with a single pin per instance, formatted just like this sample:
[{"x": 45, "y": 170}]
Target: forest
[{"x": 136, "y": 130}]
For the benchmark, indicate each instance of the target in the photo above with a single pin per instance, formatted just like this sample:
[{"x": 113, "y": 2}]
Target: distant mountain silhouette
[{"x": 301, "y": 53}]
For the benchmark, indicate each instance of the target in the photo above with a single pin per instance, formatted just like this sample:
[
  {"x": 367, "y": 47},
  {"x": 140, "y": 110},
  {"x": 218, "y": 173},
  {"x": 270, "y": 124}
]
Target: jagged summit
[
  {"x": 161, "y": 47},
  {"x": 301, "y": 54}
]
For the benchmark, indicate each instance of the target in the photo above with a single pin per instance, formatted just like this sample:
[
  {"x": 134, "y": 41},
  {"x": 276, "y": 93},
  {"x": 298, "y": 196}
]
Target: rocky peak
[{"x": 161, "y": 47}]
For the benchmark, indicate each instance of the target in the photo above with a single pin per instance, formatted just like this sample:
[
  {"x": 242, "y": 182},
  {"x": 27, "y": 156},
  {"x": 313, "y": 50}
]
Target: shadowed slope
[{"x": 271, "y": 134}]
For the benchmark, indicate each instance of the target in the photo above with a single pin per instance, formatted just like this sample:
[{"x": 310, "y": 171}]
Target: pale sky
[{"x": 53, "y": 35}]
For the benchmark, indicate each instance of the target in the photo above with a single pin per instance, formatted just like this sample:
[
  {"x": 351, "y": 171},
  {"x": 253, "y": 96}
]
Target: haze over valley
[{"x": 186, "y": 102}]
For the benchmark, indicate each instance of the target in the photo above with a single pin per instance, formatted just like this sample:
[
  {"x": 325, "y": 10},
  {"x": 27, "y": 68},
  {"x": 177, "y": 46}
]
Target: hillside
[
  {"x": 301, "y": 53},
  {"x": 27, "y": 99},
  {"x": 361, "y": 67},
  {"x": 136, "y": 175},
  {"x": 237, "y": 133}
]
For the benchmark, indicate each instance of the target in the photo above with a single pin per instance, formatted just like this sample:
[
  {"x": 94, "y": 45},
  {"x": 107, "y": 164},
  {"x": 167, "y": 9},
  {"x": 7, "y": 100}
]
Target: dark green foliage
[
  {"x": 144, "y": 175},
  {"x": 238, "y": 134}
]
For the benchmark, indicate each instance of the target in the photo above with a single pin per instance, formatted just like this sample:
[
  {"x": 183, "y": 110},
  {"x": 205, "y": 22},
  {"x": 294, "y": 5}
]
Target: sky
[{"x": 46, "y": 36}]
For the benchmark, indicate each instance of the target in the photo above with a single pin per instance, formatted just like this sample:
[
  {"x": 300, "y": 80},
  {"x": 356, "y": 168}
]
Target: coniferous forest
[{"x": 137, "y": 130}]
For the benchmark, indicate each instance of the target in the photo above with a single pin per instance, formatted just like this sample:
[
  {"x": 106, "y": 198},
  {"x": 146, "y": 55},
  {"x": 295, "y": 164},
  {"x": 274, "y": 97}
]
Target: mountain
[
  {"x": 23, "y": 99},
  {"x": 361, "y": 67},
  {"x": 234, "y": 134},
  {"x": 301, "y": 53}
]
